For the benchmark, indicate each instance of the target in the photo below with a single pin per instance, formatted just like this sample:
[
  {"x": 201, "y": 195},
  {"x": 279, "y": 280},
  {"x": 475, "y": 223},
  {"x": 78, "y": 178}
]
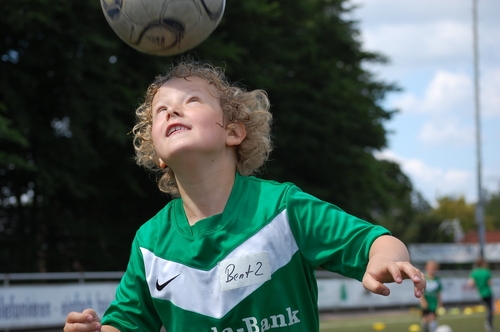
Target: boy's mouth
[{"x": 175, "y": 128}]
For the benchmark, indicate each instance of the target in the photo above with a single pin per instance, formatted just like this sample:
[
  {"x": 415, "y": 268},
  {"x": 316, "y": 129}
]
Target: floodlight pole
[{"x": 480, "y": 198}]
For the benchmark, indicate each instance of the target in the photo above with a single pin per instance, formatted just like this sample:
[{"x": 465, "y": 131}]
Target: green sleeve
[
  {"x": 329, "y": 237},
  {"x": 133, "y": 308}
]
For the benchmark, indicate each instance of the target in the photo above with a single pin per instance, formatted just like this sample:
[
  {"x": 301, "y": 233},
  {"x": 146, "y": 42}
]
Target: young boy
[
  {"x": 431, "y": 300},
  {"x": 480, "y": 277},
  {"x": 231, "y": 252}
]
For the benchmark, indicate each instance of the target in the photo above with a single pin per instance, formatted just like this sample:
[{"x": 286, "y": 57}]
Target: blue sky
[{"x": 430, "y": 47}]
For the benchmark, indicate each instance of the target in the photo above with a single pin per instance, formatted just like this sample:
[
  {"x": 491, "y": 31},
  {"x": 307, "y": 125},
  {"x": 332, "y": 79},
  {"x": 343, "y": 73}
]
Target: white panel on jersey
[{"x": 200, "y": 291}]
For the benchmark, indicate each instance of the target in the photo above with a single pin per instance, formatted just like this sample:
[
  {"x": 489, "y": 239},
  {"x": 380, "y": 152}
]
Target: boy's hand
[
  {"x": 380, "y": 271},
  {"x": 423, "y": 303},
  {"x": 86, "y": 321}
]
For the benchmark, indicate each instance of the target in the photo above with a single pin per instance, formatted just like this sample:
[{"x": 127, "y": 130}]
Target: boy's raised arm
[{"x": 390, "y": 262}]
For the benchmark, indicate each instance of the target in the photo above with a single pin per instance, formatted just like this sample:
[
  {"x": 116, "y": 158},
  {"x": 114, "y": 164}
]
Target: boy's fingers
[
  {"x": 417, "y": 277},
  {"x": 374, "y": 286},
  {"x": 92, "y": 314},
  {"x": 395, "y": 272},
  {"x": 418, "y": 292},
  {"x": 86, "y": 321},
  {"x": 420, "y": 283},
  {"x": 412, "y": 273},
  {"x": 78, "y": 317}
]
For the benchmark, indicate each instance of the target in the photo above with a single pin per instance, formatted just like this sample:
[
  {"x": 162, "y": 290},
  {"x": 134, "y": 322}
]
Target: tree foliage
[
  {"x": 75, "y": 108},
  {"x": 69, "y": 87},
  {"x": 456, "y": 208},
  {"x": 492, "y": 211},
  {"x": 428, "y": 225}
]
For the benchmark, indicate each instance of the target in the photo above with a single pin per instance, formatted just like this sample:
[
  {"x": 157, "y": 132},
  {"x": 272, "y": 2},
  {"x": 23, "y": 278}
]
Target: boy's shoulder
[
  {"x": 151, "y": 226},
  {"x": 269, "y": 183},
  {"x": 250, "y": 188}
]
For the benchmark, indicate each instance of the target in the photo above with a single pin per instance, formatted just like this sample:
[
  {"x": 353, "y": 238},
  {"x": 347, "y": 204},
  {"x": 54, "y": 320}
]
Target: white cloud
[
  {"x": 491, "y": 180},
  {"x": 430, "y": 46},
  {"x": 421, "y": 172},
  {"x": 490, "y": 92},
  {"x": 421, "y": 44},
  {"x": 447, "y": 134},
  {"x": 432, "y": 181},
  {"x": 416, "y": 168},
  {"x": 457, "y": 180},
  {"x": 408, "y": 103},
  {"x": 447, "y": 93}
]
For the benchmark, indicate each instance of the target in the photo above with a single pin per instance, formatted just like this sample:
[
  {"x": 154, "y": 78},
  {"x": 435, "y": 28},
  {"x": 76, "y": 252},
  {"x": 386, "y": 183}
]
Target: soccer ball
[
  {"x": 163, "y": 27},
  {"x": 443, "y": 328}
]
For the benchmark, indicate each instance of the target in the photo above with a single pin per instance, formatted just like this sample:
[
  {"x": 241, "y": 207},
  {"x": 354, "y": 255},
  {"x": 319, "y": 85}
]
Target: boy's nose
[{"x": 172, "y": 113}]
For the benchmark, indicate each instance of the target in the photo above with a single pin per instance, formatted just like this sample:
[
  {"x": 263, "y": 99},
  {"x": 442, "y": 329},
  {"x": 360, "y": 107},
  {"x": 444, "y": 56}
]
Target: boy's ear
[
  {"x": 236, "y": 133},
  {"x": 162, "y": 164}
]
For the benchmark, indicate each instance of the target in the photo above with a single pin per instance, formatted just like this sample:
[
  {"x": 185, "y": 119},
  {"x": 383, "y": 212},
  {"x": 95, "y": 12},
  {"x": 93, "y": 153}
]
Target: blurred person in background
[
  {"x": 480, "y": 278},
  {"x": 431, "y": 299}
]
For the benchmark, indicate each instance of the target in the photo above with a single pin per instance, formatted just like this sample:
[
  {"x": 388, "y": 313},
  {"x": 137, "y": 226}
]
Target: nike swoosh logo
[{"x": 159, "y": 287}]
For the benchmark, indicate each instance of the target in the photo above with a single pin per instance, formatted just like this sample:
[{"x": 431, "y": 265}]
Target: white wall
[
  {"x": 350, "y": 294},
  {"x": 36, "y": 306}
]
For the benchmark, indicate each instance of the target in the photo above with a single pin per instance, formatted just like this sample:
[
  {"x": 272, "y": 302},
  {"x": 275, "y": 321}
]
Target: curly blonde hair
[{"x": 251, "y": 108}]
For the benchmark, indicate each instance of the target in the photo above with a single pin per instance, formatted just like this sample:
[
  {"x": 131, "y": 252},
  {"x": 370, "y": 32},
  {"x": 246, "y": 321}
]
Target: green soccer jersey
[
  {"x": 431, "y": 294},
  {"x": 248, "y": 269},
  {"x": 482, "y": 278}
]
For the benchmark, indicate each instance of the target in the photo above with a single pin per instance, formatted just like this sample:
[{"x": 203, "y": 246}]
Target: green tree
[
  {"x": 70, "y": 86},
  {"x": 492, "y": 211},
  {"x": 10, "y": 135},
  {"x": 74, "y": 105},
  {"x": 427, "y": 222},
  {"x": 328, "y": 119},
  {"x": 456, "y": 207}
]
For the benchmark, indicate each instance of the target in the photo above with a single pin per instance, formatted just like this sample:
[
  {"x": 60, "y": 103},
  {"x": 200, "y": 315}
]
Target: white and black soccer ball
[
  {"x": 163, "y": 27},
  {"x": 443, "y": 328}
]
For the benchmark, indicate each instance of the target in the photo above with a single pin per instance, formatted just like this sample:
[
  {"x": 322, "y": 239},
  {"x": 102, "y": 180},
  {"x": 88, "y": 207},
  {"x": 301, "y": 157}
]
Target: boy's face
[
  {"x": 187, "y": 117},
  {"x": 431, "y": 268}
]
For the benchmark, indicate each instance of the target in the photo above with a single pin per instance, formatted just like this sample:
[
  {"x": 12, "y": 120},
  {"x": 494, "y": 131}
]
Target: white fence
[
  {"x": 46, "y": 304},
  {"x": 38, "y": 300},
  {"x": 349, "y": 294},
  {"x": 453, "y": 252}
]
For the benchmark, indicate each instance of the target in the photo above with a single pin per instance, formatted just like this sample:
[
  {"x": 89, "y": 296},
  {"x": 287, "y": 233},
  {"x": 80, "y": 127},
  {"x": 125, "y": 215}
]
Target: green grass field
[{"x": 469, "y": 319}]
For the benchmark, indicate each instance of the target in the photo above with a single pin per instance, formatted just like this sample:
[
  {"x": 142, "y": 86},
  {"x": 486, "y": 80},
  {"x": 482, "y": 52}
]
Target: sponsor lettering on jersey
[{"x": 252, "y": 324}]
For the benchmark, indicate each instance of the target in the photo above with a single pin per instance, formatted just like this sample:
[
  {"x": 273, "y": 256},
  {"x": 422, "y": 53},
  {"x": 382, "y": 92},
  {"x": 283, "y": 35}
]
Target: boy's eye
[{"x": 193, "y": 99}]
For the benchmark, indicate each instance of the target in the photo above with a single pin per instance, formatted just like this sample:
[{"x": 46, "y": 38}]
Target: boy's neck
[{"x": 207, "y": 196}]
